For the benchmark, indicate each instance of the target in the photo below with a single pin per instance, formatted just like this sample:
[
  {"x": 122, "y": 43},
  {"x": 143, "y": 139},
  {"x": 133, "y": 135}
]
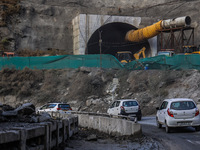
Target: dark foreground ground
[{"x": 93, "y": 140}]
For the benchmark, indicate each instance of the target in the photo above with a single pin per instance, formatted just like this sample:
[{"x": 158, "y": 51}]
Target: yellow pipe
[
  {"x": 153, "y": 30},
  {"x": 144, "y": 33}
]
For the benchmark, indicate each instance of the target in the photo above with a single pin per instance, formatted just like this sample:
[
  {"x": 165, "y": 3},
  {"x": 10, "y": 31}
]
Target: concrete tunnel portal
[{"x": 113, "y": 40}]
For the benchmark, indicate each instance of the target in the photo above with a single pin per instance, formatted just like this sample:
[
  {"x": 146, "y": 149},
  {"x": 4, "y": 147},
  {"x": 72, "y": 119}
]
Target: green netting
[
  {"x": 166, "y": 63},
  {"x": 60, "y": 62},
  {"x": 104, "y": 61}
]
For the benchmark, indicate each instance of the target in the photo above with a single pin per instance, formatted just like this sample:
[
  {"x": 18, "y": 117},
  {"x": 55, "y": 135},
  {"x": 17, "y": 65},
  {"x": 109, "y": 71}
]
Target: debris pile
[{"x": 24, "y": 113}]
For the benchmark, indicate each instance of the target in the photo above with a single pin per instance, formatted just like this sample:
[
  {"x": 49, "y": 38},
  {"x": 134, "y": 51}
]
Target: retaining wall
[{"x": 39, "y": 136}]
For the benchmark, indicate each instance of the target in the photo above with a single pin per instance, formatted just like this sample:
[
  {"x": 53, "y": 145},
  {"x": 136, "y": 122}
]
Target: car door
[
  {"x": 42, "y": 109},
  {"x": 162, "y": 111},
  {"x": 48, "y": 108},
  {"x": 112, "y": 108},
  {"x": 117, "y": 108}
]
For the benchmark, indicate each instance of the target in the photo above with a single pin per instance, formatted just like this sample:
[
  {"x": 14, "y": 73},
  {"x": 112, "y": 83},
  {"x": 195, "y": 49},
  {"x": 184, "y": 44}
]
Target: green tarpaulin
[
  {"x": 102, "y": 61},
  {"x": 60, "y": 62}
]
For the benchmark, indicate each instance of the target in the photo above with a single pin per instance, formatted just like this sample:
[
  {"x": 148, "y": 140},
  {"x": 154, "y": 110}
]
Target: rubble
[
  {"x": 92, "y": 137},
  {"x": 100, "y": 140},
  {"x": 24, "y": 113}
]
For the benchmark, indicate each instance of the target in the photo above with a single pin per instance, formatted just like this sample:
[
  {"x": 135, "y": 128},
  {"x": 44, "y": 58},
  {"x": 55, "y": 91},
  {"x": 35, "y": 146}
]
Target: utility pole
[{"x": 100, "y": 42}]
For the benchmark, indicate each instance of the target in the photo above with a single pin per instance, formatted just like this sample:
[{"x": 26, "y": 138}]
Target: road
[{"x": 179, "y": 139}]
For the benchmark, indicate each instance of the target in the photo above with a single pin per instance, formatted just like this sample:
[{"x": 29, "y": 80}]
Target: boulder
[
  {"x": 92, "y": 137},
  {"x": 44, "y": 117},
  {"x": 88, "y": 102},
  {"x": 26, "y": 109}
]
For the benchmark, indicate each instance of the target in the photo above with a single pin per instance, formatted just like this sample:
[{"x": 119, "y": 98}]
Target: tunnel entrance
[{"x": 113, "y": 40}]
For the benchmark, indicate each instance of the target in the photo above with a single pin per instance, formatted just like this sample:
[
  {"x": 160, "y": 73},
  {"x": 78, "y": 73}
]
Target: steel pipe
[{"x": 176, "y": 22}]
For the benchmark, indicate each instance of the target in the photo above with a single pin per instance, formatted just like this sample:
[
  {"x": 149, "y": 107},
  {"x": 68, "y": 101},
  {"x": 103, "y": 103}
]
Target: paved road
[{"x": 179, "y": 139}]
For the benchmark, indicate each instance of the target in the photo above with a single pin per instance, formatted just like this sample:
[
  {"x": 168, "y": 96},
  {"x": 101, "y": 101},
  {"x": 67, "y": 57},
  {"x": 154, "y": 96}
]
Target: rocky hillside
[
  {"x": 91, "y": 89},
  {"x": 47, "y": 24}
]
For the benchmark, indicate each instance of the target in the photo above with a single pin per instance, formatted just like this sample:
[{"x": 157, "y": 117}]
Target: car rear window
[
  {"x": 130, "y": 103},
  {"x": 182, "y": 105},
  {"x": 63, "y": 106}
]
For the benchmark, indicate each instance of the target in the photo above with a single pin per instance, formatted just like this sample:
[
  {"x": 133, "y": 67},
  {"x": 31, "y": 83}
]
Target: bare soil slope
[{"x": 92, "y": 89}]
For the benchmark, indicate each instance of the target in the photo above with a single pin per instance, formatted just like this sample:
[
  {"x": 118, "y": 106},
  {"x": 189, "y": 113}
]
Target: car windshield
[
  {"x": 130, "y": 103},
  {"x": 164, "y": 53},
  {"x": 182, "y": 105}
]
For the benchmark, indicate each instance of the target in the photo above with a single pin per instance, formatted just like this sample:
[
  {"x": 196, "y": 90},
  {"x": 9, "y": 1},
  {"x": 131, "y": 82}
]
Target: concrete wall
[{"x": 113, "y": 126}]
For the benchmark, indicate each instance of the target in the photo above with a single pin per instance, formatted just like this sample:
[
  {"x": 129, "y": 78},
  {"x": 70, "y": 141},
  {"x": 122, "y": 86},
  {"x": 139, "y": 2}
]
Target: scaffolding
[{"x": 174, "y": 39}]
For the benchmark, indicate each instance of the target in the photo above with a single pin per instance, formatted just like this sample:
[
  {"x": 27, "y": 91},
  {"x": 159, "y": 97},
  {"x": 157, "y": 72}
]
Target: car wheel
[
  {"x": 158, "y": 124},
  {"x": 197, "y": 128},
  {"x": 167, "y": 129}
]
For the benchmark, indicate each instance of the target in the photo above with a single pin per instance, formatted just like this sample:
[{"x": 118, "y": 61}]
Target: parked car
[
  {"x": 128, "y": 107},
  {"x": 178, "y": 112},
  {"x": 55, "y": 107}
]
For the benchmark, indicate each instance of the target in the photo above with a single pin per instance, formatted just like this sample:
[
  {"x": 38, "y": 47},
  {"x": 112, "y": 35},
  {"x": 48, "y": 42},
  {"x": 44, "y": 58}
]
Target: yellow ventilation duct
[{"x": 153, "y": 30}]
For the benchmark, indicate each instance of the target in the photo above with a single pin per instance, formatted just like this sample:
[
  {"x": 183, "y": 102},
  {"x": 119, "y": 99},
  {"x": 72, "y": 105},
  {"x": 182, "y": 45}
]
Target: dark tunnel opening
[{"x": 113, "y": 40}]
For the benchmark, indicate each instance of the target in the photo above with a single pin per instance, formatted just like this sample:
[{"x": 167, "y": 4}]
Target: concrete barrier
[
  {"x": 39, "y": 136},
  {"x": 114, "y": 125}
]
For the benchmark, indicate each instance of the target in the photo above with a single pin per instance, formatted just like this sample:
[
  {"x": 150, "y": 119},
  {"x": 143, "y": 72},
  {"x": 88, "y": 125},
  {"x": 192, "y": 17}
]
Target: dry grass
[{"x": 8, "y": 8}]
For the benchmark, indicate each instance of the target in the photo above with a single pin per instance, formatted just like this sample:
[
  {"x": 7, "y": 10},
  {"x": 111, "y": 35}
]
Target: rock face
[{"x": 47, "y": 24}]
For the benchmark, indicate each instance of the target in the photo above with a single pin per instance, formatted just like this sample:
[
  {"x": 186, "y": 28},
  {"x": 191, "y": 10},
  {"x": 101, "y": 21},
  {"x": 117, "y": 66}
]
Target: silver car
[
  {"x": 55, "y": 107},
  {"x": 178, "y": 112}
]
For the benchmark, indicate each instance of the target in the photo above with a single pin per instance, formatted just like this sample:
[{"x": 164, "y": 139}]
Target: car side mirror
[{"x": 157, "y": 108}]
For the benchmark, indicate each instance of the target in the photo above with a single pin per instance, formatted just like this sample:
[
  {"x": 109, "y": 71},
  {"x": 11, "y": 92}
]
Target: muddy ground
[
  {"x": 92, "y": 139},
  {"x": 93, "y": 89}
]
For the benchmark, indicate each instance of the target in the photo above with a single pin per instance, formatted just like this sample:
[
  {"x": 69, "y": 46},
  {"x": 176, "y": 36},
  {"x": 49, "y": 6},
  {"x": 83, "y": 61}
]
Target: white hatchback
[
  {"x": 127, "y": 107},
  {"x": 178, "y": 112}
]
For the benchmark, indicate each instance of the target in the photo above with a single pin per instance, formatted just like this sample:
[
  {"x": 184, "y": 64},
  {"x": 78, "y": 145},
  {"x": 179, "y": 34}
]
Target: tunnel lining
[{"x": 113, "y": 40}]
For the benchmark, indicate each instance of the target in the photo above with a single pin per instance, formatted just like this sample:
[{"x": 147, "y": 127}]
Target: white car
[
  {"x": 128, "y": 107},
  {"x": 55, "y": 107},
  {"x": 178, "y": 112}
]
